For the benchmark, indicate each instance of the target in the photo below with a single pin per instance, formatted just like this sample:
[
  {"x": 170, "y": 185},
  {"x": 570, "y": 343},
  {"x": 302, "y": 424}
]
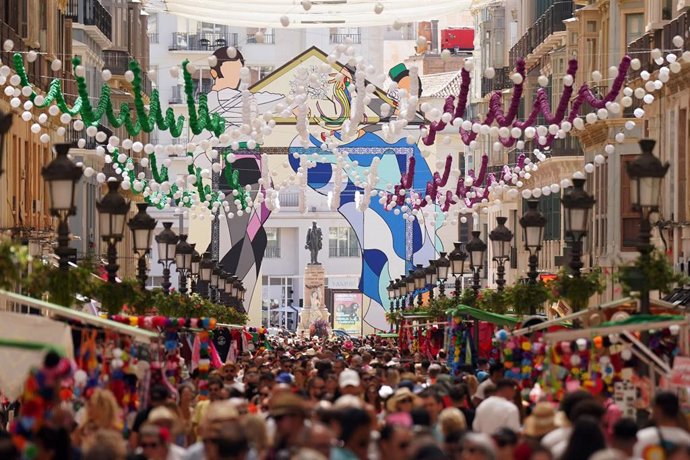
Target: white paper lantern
[
  {"x": 56, "y": 65},
  {"x": 106, "y": 75},
  {"x": 45, "y": 138},
  {"x": 674, "y": 67},
  {"x": 378, "y": 8},
  {"x": 678, "y": 41},
  {"x": 596, "y": 76},
  {"x": 626, "y": 101},
  {"x": 568, "y": 80},
  {"x": 284, "y": 21},
  {"x": 8, "y": 45},
  {"x": 620, "y": 137},
  {"x": 639, "y": 113},
  {"x": 26, "y": 116},
  {"x": 516, "y": 78},
  {"x": 15, "y": 80},
  {"x": 635, "y": 64},
  {"x": 489, "y": 73},
  {"x": 599, "y": 159},
  {"x": 543, "y": 81}
]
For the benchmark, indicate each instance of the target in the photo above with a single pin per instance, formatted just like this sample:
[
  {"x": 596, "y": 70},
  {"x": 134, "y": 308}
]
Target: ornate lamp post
[
  {"x": 500, "y": 237},
  {"x": 5, "y": 125},
  {"x": 205, "y": 270},
  {"x": 577, "y": 203},
  {"x": 222, "y": 281},
  {"x": 112, "y": 209},
  {"x": 183, "y": 261},
  {"x": 61, "y": 175},
  {"x": 646, "y": 173},
  {"x": 533, "y": 222},
  {"x": 142, "y": 226},
  {"x": 442, "y": 270},
  {"x": 167, "y": 242},
  {"x": 229, "y": 283},
  {"x": 431, "y": 278},
  {"x": 457, "y": 265},
  {"x": 409, "y": 281},
  {"x": 215, "y": 274},
  {"x": 476, "y": 248},
  {"x": 419, "y": 276},
  {"x": 194, "y": 272},
  {"x": 391, "y": 296}
]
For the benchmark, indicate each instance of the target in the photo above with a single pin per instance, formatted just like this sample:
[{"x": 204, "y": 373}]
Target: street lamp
[
  {"x": 5, "y": 125},
  {"x": 112, "y": 210},
  {"x": 457, "y": 259},
  {"x": 533, "y": 222},
  {"x": 183, "y": 261},
  {"x": 391, "y": 294},
  {"x": 476, "y": 248},
  {"x": 142, "y": 226},
  {"x": 419, "y": 275},
  {"x": 409, "y": 282},
  {"x": 215, "y": 274},
  {"x": 62, "y": 175},
  {"x": 646, "y": 173},
  {"x": 194, "y": 272},
  {"x": 431, "y": 276},
  {"x": 500, "y": 237},
  {"x": 167, "y": 243},
  {"x": 222, "y": 280},
  {"x": 577, "y": 203},
  {"x": 229, "y": 283},
  {"x": 442, "y": 269}
]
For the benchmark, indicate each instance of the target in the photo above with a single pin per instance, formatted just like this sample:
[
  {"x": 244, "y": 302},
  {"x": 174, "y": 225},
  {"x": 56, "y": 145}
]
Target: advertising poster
[{"x": 347, "y": 312}]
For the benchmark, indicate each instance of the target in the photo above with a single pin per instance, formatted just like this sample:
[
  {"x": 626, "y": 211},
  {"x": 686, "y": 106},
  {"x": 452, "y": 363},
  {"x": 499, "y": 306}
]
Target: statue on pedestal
[{"x": 314, "y": 243}]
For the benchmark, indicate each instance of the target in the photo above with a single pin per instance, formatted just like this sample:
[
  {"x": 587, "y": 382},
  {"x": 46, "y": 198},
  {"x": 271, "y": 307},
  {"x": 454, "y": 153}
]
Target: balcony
[
  {"x": 91, "y": 13},
  {"x": 38, "y": 72},
  {"x": 568, "y": 147},
  {"x": 662, "y": 39},
  {"x": 117, "y": 61},
  {"x": 153, "y": 38},
  {"x": 345, "y": 38},
  {"x": 269, "y": 39},
  {"x": 500, "y": 81},
  {"x": 547, "y": 24},
  {"x": 183, "y": 41}
]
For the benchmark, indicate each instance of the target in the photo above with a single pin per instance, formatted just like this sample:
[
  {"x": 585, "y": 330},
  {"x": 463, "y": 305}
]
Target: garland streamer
[{"x": 146, "y": 122}]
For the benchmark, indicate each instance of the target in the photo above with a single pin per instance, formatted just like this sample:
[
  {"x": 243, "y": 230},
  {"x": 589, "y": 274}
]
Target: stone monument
[{"x": 314, "y": 307}]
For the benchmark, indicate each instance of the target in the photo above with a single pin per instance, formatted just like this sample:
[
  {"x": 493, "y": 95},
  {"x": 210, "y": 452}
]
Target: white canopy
[{"x": 323, "y": 13}]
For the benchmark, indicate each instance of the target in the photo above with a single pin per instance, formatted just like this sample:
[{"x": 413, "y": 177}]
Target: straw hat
[
  {"x": 287, "y": 404},
  {"x": 400, "y": 394},
  {"x": 541, "y": 421}
]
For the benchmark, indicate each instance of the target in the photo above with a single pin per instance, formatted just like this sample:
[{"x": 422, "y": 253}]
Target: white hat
[
  {"x": 348, "y": 377},
  {"x": 310, "y": 352}
]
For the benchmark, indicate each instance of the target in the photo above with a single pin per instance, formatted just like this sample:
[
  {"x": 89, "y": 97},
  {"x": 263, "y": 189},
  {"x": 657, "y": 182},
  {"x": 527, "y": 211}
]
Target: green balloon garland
[{"x": 145, "y": 121}]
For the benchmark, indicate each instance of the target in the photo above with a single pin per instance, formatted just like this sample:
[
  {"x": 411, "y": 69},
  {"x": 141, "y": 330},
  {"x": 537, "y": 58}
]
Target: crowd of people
[{"x": 332, "y": 400}]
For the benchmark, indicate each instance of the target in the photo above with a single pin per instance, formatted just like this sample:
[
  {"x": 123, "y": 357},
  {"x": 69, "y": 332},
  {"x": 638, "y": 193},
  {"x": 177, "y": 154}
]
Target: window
[
  {"x": 152, "y": 28},
  {"x": 272, "y": 243},
  {"x": 550, "y": 206},
  {"x": 634, "y": 27},
  {"x": 342, "y": 34},
  {"x": 342, "y": 242}
]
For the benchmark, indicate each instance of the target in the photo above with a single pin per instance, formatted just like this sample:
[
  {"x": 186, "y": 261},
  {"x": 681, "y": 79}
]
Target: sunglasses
[{"x": 149, "y": 445}]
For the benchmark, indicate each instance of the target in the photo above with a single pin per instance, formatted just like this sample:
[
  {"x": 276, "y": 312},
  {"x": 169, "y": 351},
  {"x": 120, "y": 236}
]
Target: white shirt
[
  {"x": 650, "y": 436},
  {"x": 481, "y": 389},
  {"x": 556, "y": 437},
  {"x": 495, "y": 413}
]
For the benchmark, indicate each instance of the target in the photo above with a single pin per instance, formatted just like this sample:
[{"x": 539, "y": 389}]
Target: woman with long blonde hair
[{"x": 101, "y": 413}]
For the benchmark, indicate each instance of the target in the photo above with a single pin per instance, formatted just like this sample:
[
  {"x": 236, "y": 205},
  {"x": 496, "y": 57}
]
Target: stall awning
[
  {"x": 487, "y": 316},
  {"x": 632, "y": 324},
  {"x": 68, "y": 313}
]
